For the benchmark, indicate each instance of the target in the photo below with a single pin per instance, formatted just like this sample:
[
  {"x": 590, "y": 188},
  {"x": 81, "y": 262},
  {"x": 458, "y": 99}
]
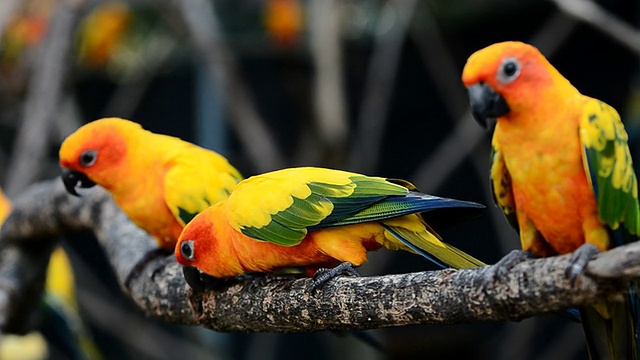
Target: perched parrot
[
  {"x": 159, "y": 181},
  {"x": 60, "y": 314},
  {"x": 313, "y": 217},
  {"x": 102, "y": 32},
  {"x": 561, "y": 172}
]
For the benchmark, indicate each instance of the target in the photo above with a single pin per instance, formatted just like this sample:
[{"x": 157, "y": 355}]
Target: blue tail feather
[{"x": 421, "y": 252}]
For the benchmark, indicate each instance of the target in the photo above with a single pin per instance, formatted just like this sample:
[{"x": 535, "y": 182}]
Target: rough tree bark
[{"x": 276, "y": 304}]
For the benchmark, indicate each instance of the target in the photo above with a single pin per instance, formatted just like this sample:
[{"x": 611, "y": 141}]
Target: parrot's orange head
[
  {"x": 504, "y": 79},
  {"x": 92, "y": 153},
  {"x": 195, "y": 243}
]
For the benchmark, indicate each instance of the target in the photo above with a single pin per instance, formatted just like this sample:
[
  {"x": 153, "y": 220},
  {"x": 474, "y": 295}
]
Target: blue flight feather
[{"x": 423, "y": 253}]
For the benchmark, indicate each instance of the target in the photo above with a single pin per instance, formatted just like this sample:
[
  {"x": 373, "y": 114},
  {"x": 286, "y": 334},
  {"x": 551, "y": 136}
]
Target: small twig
[
  {"x": 436, "y": 168},
  {"x": 45, "y": 89},
  {"x": 205, "y": 33},
  {"x": 381, "y": 75},
  {"x": 596, "y": 16},
  {"x": 329, "y": 92},
  {"x": 439, "y": 60}
]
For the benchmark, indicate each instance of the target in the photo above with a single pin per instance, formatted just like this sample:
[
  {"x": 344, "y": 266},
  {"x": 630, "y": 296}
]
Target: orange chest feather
[
  {"x": 232, "y": 253},
  {"x": 549, "y": 182},
  {"x": 142, "y": 198}
]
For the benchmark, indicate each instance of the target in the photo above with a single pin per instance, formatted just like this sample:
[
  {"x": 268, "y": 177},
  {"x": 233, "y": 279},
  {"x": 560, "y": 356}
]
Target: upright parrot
[
  {"x": 159, "y": 181},
  {"x": 314, "y": 217},
  {"x": 561, "y": 172}
]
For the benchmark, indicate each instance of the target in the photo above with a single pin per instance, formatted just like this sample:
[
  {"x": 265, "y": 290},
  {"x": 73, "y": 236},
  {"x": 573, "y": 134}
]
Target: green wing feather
[
  {"x": 611, "y": 327},
  {"x": 501, "y": 186},
  {"x": 607, "y": 162},
  {"x": 282, "y": 206}
]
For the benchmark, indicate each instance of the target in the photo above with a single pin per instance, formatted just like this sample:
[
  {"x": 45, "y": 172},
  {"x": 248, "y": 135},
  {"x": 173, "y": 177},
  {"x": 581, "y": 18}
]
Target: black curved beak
[
  {"x": 486, "y": 104},
  {"x": 192, "y": 276},
  {"x": 73, "y": 179},
  {"x": 201, "y": 282}
]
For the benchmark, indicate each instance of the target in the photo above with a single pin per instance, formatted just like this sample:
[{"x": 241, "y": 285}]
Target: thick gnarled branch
[{"x": 275, "y": 304}]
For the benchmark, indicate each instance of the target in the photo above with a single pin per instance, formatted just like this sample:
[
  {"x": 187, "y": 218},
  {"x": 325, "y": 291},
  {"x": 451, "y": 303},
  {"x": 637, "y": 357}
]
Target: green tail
[{"x": 610, "y": 329}]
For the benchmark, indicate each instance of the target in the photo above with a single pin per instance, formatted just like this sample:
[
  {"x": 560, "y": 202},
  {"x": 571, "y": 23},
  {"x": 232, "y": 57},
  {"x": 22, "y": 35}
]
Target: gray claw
[
  {"x": 323, "y": 275},
  {"x": 579, "y": 260},
  {"x": 504, "y": 266}
]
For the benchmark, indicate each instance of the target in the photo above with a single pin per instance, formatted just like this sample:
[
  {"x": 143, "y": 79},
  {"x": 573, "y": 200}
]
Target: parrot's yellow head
[
  {"x": 93, "y": 153},
  {"x": 508, "y": 78}
]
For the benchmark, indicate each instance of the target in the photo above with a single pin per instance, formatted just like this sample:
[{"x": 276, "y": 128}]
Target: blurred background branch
[
  {"x": 381, "y": 79},
  {"x": 201, "y": 20},
  {"x": 595, "y": 15},
  {"x": 42, "y": 100}
]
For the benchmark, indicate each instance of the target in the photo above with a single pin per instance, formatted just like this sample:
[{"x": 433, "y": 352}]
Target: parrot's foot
[
  {"x": 323, "y": 275},
  {"x": 504, "y": 266},
  {"x": 579, "y": 260}
]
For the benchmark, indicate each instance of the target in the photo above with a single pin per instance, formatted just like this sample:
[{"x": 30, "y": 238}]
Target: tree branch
[
  {"x": 380, "y": 81},
  {"x": 205, "y": 33},
  {"x": 282, "y": 304},
  {"x": 45, "y": 88},
  {"x": 595, "y": 15}
]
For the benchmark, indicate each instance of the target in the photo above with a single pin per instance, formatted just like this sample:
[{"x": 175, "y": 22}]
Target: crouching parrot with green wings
[{"x": 315, "y": 217}]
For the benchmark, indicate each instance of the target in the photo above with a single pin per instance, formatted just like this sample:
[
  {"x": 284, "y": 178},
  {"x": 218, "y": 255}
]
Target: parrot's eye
[
  {"x": 509, "y": 70},
  {"x": 186, "y": 250},
  {"x": 88, "y": 158}
]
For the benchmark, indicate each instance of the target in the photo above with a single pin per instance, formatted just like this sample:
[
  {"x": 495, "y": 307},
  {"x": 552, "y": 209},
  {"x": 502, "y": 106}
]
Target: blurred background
[{"x": 364, "y": 85}]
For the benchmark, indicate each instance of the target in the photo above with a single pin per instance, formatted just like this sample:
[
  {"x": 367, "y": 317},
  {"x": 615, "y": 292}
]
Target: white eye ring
[
  {"x": 88, "y": 158},
  {"x": 509, "y": 70},
  {"x": 187, "y": 250}
]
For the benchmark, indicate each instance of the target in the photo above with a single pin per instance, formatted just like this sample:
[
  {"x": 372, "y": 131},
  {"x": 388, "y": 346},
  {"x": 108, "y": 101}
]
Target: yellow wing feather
[
  {"x": 190, "y": 186},
  {"x": 607, "y": 161},
  {"x": 501, "y": 185},
  {"x": 275, "y": 192}
]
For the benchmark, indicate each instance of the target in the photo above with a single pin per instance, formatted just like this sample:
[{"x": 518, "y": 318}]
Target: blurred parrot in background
[
  {"x": 101, "y": 32},
  {"x": 159, "y": 181},
  {"x": 315, "y": 217},
  {"x": 284, "y": 21},
  {"x": 60, "y": 314},
  {"x": 561, "y": 172}
]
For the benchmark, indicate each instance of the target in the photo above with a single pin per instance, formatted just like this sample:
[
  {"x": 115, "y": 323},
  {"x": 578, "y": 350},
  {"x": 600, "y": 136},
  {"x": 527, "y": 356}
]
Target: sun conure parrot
[
  {"x": 561, "y": 171},
  {"x": 61, "y": 320},
  {"x": 314, "y": 217},
  {"x": 102, "y": 33},
  {"x": 159, "y": 181}
]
